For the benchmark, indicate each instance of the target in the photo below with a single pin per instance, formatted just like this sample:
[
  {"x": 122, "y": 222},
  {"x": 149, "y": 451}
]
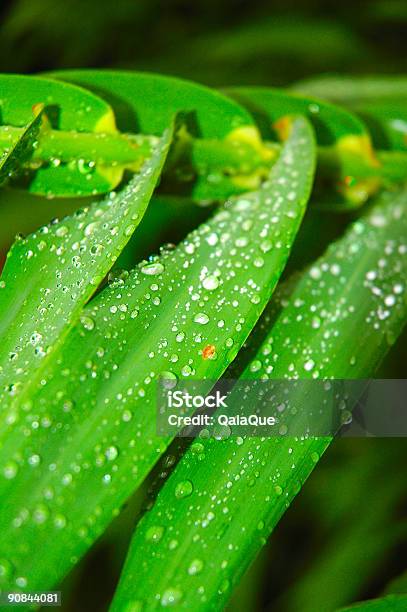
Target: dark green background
[
  {"x": 344, "y": 538},
  {"x": 218, "y": 42}
]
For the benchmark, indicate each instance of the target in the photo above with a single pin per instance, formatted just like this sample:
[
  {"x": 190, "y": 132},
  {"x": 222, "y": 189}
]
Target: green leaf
[
  {"x": 146, "y": 102},
  {"x": 391, "y": 603},
  {"x": 70, "y": 108},
  {"x": 346, "y": 159},
  {"x": 51, "y": 274},
  {"x": 380, "y": 101},
  {"x": 224, "y": 132},
  {"x": 351, "y": 552},
  {"x": 349, "y": 89},
  {"x": 19, "y": 150},
  {"x": 331, "y": 123},
  {"x": 387, "y": 122},
  {"x": 238, "y": 489},
  {"x": 95, "y": 405}
]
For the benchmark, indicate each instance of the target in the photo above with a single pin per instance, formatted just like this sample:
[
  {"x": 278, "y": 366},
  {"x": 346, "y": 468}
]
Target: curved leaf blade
[
  {"x": 146, "y": 102},
  {"x": 19, "y": 150},
  {"x": 51, "y": 274},
  {"x": 380, "y": 101},
  {"x": 99, "y": 392},
  {"x": 345, "y": 89},
  {"x": 331, "y": 123},
  {"x": 70, "y": 108},
  {"x": 240, "y": 488},
  {"x": 143, "y": 102}
]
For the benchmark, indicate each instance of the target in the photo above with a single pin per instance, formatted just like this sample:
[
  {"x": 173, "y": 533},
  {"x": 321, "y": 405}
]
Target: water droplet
[
  {"x": 258, "y": 262},
  {"x": 208, "y": 352},
  {"x": 184, "y": 489},
  {"x": 224, "y": 586},
  {"x": 169, "y": 379},
  {"x": 195, "y": 567},
  {"x": 59, "y": 521},
  {"x": 85, "y": 167},
  {"x": 154, "y": 533},
  {"x": 90, "y": 228},
  {"x": 61, "y": 231},
  {"x": 171, "y": 597},
  {"x": 210, "y": 283},
  {"x": 255, "y": 366},
  {"x": 87, "y": 322},
  {"x": 308, "y": 365},
  {"x": 212, "y": 239},
  {"x": 127, "y": 416},
  {"x": 197, "y": 448},
  {"x": 266, "y": 246},
  {"x": 40, "y": 514},
  {"x": 111, "y": 453},
  {"x": 34, "y": 460},
  {"x": 201, "y": 318},
  {"x": 153, "y": 269},
  {"x": 10, "y": 470}
]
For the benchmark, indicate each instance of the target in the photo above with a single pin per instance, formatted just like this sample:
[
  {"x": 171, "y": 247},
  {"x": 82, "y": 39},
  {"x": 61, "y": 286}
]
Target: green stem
[{"x": 235, "y": 158}]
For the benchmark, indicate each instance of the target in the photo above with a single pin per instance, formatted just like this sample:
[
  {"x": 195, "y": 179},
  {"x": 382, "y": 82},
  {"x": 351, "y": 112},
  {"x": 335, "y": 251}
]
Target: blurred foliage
[
  {"x": 345, "y": 538},
  {"x": 216, "y": 42}
]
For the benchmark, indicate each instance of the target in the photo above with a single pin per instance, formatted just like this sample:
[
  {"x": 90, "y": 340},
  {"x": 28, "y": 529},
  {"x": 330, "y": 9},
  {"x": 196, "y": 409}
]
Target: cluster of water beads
[
  {"x": 68, "y": 254},
  {"x": 321, "y": 305},
  {"x": 208, "y": 286}
]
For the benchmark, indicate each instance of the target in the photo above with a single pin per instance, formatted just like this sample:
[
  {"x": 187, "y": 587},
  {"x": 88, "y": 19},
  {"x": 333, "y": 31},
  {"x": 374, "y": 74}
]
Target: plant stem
[{"x": 357, "y": 176}]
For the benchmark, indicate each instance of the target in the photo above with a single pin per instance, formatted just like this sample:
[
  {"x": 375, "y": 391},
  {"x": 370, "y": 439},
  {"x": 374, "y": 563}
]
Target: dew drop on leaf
[
  {"x": 153, "y": 269},
  {"x": 201, "y": 318},
  {"x": 195, "y": 567},
  {"x": 210, "y": 283},
  {"x": 10, "y": 470},
  {"x": 111, "y": 453},
  {"x": 169, "y": 379},
  {"x": 155, "y": 533},
  {"x": 87, "y": 322},
  {"x": 184, "y": 489},
  {"x": 171, "y": 597}
]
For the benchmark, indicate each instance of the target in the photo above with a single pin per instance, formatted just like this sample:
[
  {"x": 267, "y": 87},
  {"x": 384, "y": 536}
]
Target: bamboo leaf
[
  {"x": 185, "y": 313},
  {"x": 71, "y": 109},
  {"x": 51, "y": 274},
  {"x": 147, "y": 102},
  {"x": 344, "y": 89},
  {"x": 347, "y": 161},
  {"x": 224, "y": 134},
  {"x": 380, "y": 101},
  {"x": 19, "y": 149},
  {"x": 331, "y": 123},
  {"x": 237, "y": 489}
]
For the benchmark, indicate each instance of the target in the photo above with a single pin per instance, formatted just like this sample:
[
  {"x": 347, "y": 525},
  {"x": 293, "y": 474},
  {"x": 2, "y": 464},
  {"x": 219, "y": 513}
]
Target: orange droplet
[
  {"x": 283, "y": 127},
  {"x": 208, "y": 351}
]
